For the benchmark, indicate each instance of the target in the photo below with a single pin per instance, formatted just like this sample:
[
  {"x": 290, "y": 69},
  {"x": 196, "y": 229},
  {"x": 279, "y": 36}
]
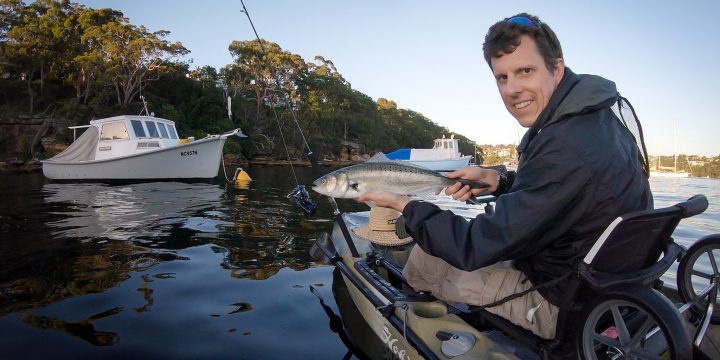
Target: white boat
[
  {"x": 129, "y": 147},
  {"x": 444, "y": 156}
]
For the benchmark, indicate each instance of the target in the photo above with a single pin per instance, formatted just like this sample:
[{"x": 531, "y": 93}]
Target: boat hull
[
  {"x": 199, "y": 159},
  {"x": 409, "y": 329}
]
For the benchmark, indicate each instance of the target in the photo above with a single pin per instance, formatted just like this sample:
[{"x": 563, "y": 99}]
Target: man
[{"x": 580, "y": 167}]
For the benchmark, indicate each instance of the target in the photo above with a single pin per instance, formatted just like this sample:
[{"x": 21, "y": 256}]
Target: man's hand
[
  {"x": 462, "y": 193},
  {"x": 385, "y": 199}
]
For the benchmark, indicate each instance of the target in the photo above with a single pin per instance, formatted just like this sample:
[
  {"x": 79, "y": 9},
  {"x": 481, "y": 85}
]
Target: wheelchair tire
[
  {"x": 634, "y": 323},
  {"x": 696, "y": 268}
]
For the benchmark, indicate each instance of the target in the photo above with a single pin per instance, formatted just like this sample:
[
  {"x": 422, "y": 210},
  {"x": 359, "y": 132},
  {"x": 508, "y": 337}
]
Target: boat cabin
[
  {"x": 126, "y": 134},
  {"x": 449, "y": 146}
]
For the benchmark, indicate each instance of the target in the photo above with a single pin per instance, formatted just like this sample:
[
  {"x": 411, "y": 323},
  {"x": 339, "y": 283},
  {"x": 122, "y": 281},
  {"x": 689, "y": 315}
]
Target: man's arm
[{"x": 550, "y": 181}]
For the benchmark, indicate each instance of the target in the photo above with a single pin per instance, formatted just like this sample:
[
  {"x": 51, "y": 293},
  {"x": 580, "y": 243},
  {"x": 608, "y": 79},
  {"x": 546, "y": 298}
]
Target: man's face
[{"x": 524, "y": 81}]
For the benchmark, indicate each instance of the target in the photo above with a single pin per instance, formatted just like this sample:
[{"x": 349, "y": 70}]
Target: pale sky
[{"x": 426, "y": 56}]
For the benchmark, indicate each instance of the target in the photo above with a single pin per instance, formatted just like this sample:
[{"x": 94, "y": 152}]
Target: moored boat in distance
[
  {"x": 129, "y": 147},
  {"x": 444, "y": 156}
]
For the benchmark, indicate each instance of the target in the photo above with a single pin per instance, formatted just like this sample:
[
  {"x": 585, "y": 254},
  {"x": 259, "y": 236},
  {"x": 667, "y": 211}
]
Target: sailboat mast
[{"x": 675, "y": 145}]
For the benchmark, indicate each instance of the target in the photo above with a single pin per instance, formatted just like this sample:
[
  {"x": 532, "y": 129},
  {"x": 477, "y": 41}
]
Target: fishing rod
[{"x": 299, "y": 195}]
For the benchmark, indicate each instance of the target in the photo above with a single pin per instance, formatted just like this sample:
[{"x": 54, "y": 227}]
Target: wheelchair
[{"x": 615, "y": 307}]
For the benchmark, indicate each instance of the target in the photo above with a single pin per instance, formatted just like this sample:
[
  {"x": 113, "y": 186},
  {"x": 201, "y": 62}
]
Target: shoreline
[{"x": 30, "y": 166}]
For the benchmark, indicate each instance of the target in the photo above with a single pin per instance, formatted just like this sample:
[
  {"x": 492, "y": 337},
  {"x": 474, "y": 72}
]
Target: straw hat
[{"x": 381, "y": 228}]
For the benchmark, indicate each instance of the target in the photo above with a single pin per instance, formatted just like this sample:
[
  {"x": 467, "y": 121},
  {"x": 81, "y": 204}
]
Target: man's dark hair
[{"x": 504, "y": 37}]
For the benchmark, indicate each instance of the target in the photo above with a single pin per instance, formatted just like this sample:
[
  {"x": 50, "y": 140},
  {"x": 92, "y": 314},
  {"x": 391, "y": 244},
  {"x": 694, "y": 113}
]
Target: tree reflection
[{"x": 83, "y": 329}]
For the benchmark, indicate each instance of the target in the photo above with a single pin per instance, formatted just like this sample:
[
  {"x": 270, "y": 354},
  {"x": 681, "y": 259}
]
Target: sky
[{"x": 426, "y": 56}]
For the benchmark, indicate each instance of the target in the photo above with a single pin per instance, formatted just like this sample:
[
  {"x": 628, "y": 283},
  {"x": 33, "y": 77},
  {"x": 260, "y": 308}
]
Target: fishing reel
[{"x": 300, "y": 197}]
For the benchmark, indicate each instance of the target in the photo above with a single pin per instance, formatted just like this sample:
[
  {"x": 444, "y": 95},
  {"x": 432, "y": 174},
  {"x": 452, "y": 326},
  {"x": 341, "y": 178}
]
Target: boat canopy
[
  {"x": 82, "y": 149},
  {"x": 400, "y": 154}
]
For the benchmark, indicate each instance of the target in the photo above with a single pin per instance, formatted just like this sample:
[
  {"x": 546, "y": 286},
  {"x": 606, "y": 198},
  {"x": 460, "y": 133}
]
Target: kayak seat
[{"x": 612, "y": 299}]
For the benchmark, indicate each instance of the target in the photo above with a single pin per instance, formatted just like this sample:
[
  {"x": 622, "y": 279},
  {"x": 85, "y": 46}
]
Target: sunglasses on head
[{"x": 523, "y": 21}]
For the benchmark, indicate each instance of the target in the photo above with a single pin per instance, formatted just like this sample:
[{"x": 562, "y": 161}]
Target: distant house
[{"x": 503, "y": 152}]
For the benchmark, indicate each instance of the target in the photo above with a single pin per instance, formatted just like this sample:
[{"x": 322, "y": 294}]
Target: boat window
[
  {"x": 452, "y": 145},
  {"x": 138, "y": 128},
  {"x": 171, "y": 130},
  {"x": 114, "y": 131},
  {"x": 163, "y": 130},
  {"x": 152, "y": 130},
  {"x": 445, "y": 145}
]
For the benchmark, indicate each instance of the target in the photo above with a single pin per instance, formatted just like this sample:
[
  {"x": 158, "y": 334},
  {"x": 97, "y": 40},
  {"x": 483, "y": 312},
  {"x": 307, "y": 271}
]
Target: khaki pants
[{"x": 483, "y": 286}]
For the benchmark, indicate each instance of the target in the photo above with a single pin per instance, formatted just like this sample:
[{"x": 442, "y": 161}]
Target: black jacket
[{"x": 579, "y": 169}]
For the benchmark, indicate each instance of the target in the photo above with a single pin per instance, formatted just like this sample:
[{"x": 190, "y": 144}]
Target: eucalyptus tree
[
  {"x": 27, "y": 40},
  {"x": 87, "y": 64},
  {"x": 254, "y": 58},
  {"x": 231, "y": 79},
  {"x": 327, "y": 96},
  {"x": 133, "y": 56}
]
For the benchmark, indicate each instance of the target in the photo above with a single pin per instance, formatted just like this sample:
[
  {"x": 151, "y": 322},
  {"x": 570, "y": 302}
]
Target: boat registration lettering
[
  {"x": 188, "y": 153},
  {"x": 389, "y": 341}
]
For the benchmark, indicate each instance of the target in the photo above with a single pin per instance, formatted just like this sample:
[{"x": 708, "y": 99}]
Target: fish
[{"x": 382, "y": 174}]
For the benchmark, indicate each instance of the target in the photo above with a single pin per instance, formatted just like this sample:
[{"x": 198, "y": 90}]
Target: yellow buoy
[{"x": 242, "y": 178}]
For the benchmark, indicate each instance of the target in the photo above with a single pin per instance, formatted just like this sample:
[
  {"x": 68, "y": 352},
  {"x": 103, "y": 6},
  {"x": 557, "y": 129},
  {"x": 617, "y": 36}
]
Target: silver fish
[{"x": 381, "y": 174}]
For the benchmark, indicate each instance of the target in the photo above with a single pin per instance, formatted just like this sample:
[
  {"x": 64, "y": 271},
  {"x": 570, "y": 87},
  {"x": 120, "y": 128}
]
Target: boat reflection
[
  {"x": 134, "y": 211},
  {"x": 84, "y": 249}
]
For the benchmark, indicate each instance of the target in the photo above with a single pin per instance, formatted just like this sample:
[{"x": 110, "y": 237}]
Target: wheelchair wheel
[
  {"x": 637, "y": 323},
  {"x": 696, "y": 270}
]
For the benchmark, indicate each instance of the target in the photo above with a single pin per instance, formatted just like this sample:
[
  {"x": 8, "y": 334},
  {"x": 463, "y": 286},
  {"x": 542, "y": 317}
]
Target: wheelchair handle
[{"x": 694, "y": 205}]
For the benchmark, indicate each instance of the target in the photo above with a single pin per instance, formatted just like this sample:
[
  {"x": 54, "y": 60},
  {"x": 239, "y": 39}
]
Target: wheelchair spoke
[
  {"x": 623, "y": 333},
  {"x": 712, "y": 261},
  {"x": 701, "y": 274},
  {"x": 602, "y": 339}
]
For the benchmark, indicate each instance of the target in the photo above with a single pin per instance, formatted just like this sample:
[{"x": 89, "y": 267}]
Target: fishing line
[
  {"x": 299, "y": 195},
  {"x": 276, "y": 78},
  {"x": 282, "y": 136}
]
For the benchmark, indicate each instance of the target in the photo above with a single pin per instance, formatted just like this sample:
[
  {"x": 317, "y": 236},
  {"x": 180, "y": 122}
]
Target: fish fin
[{"x": 379, "y": 157}]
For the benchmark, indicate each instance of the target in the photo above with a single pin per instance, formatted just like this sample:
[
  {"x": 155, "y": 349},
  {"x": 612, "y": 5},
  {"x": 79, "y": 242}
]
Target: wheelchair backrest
[{"x": 636, "y": 241}]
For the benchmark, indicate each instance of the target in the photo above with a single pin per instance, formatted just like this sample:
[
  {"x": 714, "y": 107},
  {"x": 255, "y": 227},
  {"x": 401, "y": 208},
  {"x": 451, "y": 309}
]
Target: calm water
[{"x": 184, "y": 270}]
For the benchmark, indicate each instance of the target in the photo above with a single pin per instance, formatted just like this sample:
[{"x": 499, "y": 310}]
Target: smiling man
[{"x": 580, "y": 167}]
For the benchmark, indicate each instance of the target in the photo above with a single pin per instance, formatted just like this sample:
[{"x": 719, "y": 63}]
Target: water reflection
[
  {"x": 90, "y": 237},
  {"x": 136, "y": 211},
  {"x": 84, "y": 329}
]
